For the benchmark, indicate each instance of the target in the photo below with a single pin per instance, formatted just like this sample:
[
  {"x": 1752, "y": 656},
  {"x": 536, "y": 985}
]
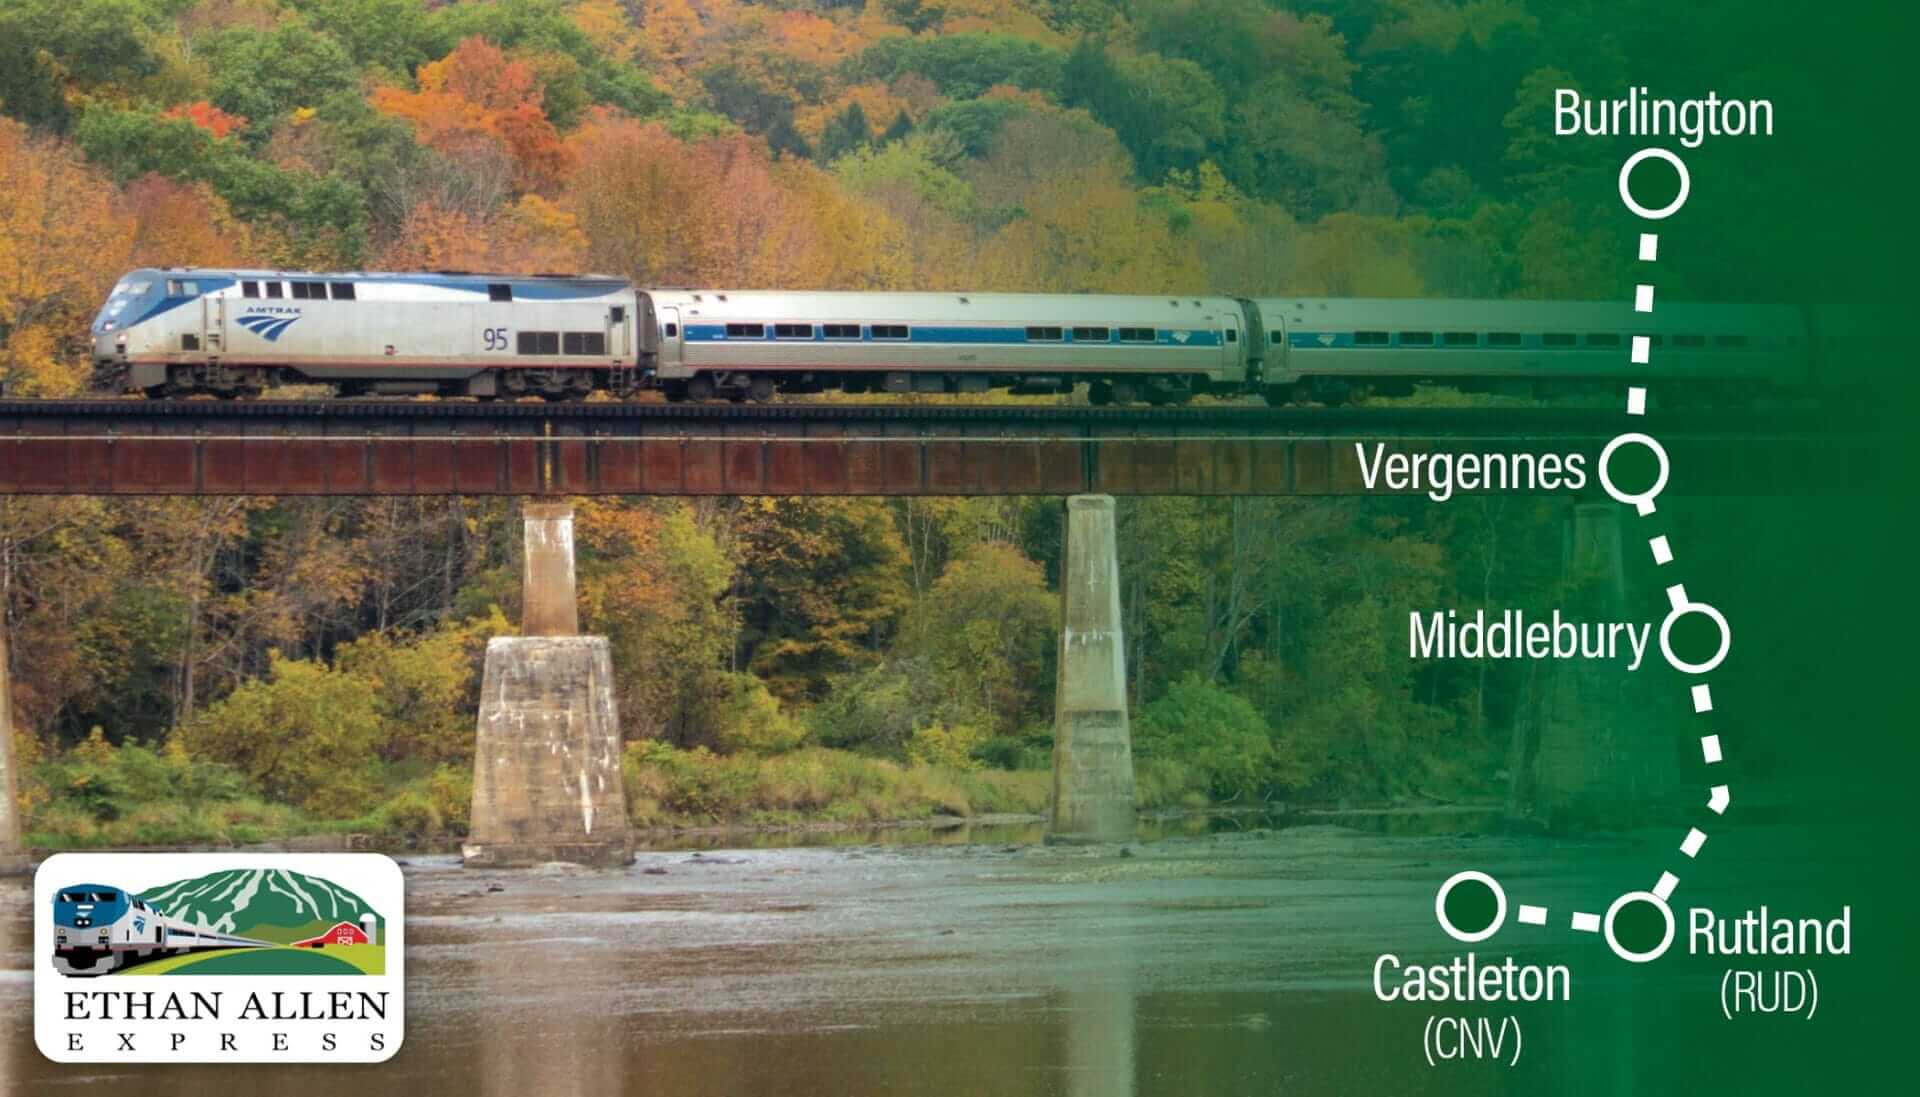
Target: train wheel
[
  {"x": 760, "y": 389},
  {"x": 1099, "y": 394},
  {"x": 1125, "y": 392},
  {"x": 700, "y": 388}
]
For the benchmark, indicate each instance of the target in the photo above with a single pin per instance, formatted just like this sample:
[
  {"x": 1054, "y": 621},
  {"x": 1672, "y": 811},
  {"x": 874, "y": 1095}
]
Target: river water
[{"x": 1215, "y": 963}]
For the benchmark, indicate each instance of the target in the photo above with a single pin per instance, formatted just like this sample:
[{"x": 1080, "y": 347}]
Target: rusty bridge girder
[{"x": 131, "y": 447}]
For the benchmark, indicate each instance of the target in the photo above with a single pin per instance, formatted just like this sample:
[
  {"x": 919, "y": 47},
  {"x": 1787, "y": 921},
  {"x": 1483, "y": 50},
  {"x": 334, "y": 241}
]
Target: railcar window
[
  {"x": 1416, "y": 338},
  {"x": 889, "y": 331},
  {"x": 1089, "y": 335},
  {"x": 274, "y": 290},
  {"x": 1370, "y": 339},
  {"x": 249, "y": 289},
  {"x": 1461, "y": 339},
  {"x": 1233, "y": 336},
  {"x": 1503, "y": 338},
  {"x": 1603, "y": 339},
  {"x": 1558, "y": 338},
  {"x": 1729, "y": 340},
  {"x": 619, "y": 314},
  {"x": 1689, "y": 340},
  {"x": 1137, "y": 335},
  {"x": 840, "y": 331},
  {"x": 673, "y": 330},
  {"x": 499, "y": 291},
  {"x": 1043, "y": 335},
  {"x": 584, "y": 342},
  {"x": 793, "y": 331},
  {"x": 342, "y": 291},
  {"x": 1274, "y": 338},
  {"x": 746, "y": 331}
]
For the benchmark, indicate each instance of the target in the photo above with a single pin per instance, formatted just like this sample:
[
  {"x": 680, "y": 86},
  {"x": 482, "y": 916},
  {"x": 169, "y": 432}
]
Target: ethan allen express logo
[{"x": 204, "y": 957}]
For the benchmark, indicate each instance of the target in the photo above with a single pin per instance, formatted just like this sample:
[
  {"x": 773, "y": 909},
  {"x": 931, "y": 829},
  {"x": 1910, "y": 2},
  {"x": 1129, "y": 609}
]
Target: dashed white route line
[{"x": 1718, "y": 797}]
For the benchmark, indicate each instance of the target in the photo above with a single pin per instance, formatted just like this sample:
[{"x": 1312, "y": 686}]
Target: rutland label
[{"x": 218, "y": 957}]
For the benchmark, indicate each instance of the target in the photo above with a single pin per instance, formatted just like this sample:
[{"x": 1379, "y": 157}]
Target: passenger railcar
[
  {"x": 757, "y": 343},
  {"x": 98, "y": 929},
  {"x": 1318, "y": 347}
]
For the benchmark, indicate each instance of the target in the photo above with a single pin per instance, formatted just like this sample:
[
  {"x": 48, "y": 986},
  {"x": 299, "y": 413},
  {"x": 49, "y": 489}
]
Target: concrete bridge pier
[
  {"x": 1595, "y": 744},
  {"x": 547, "y": 782},
  {"x": 13, "y": 857},
  {"x": 1092, "y": 740}
]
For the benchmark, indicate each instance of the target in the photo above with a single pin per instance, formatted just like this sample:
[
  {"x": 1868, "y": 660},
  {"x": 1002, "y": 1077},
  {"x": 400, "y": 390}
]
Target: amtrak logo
[
  {"x": 1182, "y": 336},
  {"x": 267, "y": 325}
]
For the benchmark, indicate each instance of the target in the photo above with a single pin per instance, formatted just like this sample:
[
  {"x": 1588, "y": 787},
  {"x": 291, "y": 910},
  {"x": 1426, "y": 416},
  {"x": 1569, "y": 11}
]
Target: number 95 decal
[{"x": 495, "y": 338}]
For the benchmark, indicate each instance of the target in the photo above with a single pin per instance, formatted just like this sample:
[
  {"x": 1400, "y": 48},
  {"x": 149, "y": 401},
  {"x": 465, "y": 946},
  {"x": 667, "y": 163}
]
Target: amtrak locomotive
[
  {"x": 98, "y": 929},
  {"x": 235, "y": 333}
]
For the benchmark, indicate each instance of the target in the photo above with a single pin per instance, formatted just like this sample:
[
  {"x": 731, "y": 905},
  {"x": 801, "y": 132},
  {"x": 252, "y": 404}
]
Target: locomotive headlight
[
  {"x": 104, "y": 934},
  {"x": 121, "y": 338}
]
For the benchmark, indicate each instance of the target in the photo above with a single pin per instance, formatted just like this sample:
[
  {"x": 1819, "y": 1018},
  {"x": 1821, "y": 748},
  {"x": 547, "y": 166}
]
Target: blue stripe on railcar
[{"x": 941, "y": 334}]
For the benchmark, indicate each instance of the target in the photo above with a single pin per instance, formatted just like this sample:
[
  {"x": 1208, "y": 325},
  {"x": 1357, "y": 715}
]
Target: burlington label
[{"x": 1511, "y": 634}]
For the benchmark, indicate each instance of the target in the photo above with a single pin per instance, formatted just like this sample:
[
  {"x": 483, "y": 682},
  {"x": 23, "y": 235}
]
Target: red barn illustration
[{"x": 342, "y": 933}]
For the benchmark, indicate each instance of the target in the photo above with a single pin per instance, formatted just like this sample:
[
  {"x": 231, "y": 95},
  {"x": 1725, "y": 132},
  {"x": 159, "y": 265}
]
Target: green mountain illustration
[{"x": 270, "y": 904}]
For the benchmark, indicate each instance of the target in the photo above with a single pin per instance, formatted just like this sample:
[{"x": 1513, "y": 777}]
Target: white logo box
[{"x": 134, "y": 1012}]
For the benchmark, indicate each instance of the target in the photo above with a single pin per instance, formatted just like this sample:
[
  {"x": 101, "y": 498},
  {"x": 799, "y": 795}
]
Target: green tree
[
  {"x": 986, "y": 633},
  {"x": 822, "y": 585},
  {"x": 305, "y": 734}
]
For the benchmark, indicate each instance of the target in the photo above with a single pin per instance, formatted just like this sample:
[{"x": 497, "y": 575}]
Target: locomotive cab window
[
  {"x": 274, "y": 290},
  {"x": 499, "y": 291},
  {"x": 342, "y": 291},
  {"x": 249, "y": 289}
]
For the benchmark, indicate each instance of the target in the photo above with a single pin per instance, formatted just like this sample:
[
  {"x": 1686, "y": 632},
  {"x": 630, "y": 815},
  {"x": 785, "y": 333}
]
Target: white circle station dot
[
  {"x": 1499, "y": 905},
  {"x": 1613, "y": 912}
]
